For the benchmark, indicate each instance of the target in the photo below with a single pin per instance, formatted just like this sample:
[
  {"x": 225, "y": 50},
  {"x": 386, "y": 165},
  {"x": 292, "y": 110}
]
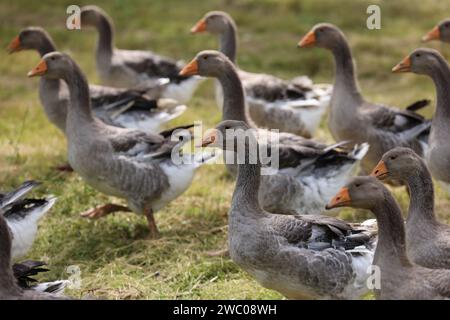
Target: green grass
[{"x": 115, "y": 259}]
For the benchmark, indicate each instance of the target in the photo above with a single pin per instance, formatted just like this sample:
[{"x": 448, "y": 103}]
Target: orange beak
[
  {"x": 39, "y": 70},
  {"x": 380, "y": 171},
  {"x": 190, "y": 69},
  {"x": 210, "y": 137},
  {"x": 342, "y": 199},
  {"x": 308, "y": 41},
  {"x": 434, "y": 34},
  {"x": 200, "y": 26},
  {"x": 14, "y": 45},
  {"x": 403, "y": 66}
]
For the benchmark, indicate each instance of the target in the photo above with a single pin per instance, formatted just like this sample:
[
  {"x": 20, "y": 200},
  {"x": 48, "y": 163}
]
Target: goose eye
[
  {"x": 357, "y": 185},
  {"x": 418, "y": 55},
  {"x": 393, "y": 157},
  {"x": 205, "y": 58}
]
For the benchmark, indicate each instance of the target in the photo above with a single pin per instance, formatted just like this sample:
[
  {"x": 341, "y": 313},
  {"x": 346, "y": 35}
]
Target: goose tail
[{"x": 18, "y": 193}]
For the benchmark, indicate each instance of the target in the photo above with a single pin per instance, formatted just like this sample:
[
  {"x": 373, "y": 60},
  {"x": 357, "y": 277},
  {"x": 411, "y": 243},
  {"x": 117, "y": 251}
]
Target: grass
[{"x": 114, "y": 258}]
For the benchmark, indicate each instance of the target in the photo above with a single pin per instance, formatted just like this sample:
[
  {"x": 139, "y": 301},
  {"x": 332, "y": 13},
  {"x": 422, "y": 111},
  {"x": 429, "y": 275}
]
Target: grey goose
[
  {"x": 300, "y": 256},
  {"x": 431, "y": 63},
  {"x": 352, "y": 117},
  {"x": 309, "y": 172},
  {"x": 399, "y": 278},
  {"x": 134, "y": 68},
  {"x": 128, "y": 108},
  {"x": 427, "y": 239},
  {"x": 134, "y": 165},
  {"x": 294, "y": 106}
]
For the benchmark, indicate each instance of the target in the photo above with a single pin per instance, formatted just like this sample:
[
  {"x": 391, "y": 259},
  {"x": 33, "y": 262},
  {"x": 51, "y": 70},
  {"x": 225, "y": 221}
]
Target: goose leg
[
  {"x": 103, "y": 210},
  {"x": 64, "y": 168},
  {"x": 154, "y": 233}
]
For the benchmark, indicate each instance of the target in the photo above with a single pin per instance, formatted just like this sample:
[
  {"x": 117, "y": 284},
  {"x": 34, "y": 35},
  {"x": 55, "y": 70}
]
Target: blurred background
[{"x": 114, "y": 258}]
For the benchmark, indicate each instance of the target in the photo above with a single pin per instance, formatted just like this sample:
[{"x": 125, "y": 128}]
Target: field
[{"x": 115, "y": 259}]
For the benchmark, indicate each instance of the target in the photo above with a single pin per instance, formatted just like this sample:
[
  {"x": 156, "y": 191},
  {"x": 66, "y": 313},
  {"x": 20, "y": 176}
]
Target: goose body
[
  {"x": 399, "y": 278},
  {"x": 308, "y": 171},
  {"x": 427, "y": 239},
  {"x": 302, "y": 257},
  {"x": 353, "y": 118},
  {"x": 135, "y": 68},
  {"x": 294, "y": 106},
  {"x": 134, "y": 165},
  {"x": 127, "y": 108}
]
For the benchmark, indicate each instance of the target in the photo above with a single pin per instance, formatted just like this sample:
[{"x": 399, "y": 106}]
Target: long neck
[
  {"x": 441, "y": 78},
  {"x": 8, "y": 284},
  {"x": 233, "y": 95},
  {"x": 46, "y": 46},
  {"x": 391, "y": 247},
  {"x": 421, "y": 206},
  {"x": 79, "y": 95},
  {"x": 245, "y": 196},
  {"x": 105, "y": 43},
  {"x": 228, "y": 41},
  {"x": 345, "y": 76}
]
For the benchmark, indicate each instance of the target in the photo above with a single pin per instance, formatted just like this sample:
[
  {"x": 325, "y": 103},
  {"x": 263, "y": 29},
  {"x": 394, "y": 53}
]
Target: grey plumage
[
  {"x": 302, "y": 257},
  {"x": 353, "y": 118}
]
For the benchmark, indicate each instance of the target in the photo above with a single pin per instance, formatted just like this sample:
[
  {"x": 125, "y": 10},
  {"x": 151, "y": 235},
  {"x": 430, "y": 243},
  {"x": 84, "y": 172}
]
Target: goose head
[
  {"x": 31, "y": 38},
  {"x": 360, "y": 192},
  {"x": 440, "y": 32},
  {"x": 420, "y": 61},
  {"x": 229, "y": 135},
  {"x": 215, "y": 22},
  {"x": 322, "y": 35},
  {"x": 209, "y": 63},
  {"x": 54, "y": 65},
  {"x": 397, "y": 164}
]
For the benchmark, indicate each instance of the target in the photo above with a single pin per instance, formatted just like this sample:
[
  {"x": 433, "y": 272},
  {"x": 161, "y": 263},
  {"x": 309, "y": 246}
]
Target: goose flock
[{"x": 280, "y": 231}]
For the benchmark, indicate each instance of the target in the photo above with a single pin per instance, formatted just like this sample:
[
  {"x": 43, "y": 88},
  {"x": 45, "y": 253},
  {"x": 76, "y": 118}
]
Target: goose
[
  {"x": 308, "y": 172},
  {"x": 300, "y": 256},
  {"x": 399, "y": 278},
  {"x": 440, "y": 32},
  {"x": 145, "y": 169},
  {"x": 353, "y": 118},
  {"x": 294, "y": 106},
  {"x": 431, "y": 63},
  {"x": 9, "y": 289},
  {"x": 22, "y": 216},
  {"x": 134, "y": 68},
  {"x": 128, "y": 108},
  {"x": 427, "y": 240}
]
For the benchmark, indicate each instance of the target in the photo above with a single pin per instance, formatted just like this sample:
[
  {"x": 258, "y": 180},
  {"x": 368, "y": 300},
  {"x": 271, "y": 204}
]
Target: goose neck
[
  {"x": 80, "y": 105},
  {"x": 245, "y": 196},
  {"x": 106, "y": 37},
  {"x": 441, "y": 79},
  {"x": 421, "y": 207},
  {"x": 391, "y": 247},
  {"x": 228, "y": 42},
  {"x": 345, "y": 82},
  {"x": 233, "y": 96}
]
